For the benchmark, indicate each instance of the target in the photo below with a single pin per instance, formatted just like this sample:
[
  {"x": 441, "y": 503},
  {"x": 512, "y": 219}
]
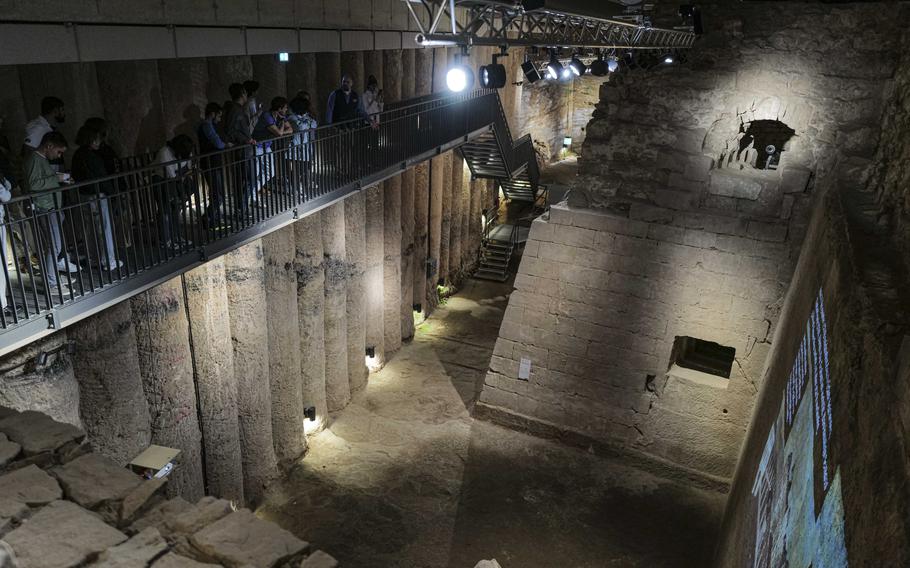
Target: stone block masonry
[
  {"x": 78, "y": 508},
  {"x": 599, "y": 301}
]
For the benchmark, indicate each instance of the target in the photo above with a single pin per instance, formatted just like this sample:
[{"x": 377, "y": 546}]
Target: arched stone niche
[{"x": 740, "y": 179}]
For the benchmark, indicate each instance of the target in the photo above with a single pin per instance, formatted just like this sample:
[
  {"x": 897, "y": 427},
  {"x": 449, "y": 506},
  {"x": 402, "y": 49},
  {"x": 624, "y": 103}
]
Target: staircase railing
[{"x": 80, "y": 248}]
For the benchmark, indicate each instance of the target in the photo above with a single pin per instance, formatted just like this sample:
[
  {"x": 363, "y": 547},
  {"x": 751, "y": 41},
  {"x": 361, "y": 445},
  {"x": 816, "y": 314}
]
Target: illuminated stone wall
[
  {"x": 671, "y": 231},
  {"x": 822, "y": 477}
]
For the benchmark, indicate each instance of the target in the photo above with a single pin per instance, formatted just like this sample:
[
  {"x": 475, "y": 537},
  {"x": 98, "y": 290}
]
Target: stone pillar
[
  {"x": 421, "y": 230},
  {"x": 183, "y": 94},
  {"x": 115, "y": 414},
  {"x": 437, "y": 172},
  {"x": 445, "y": 239},
  {"x": 372, "y": 65},
  {"x": 375, "y": 255},
  {"x": 455, "y": 240},
  {"x": 284, "y": 346},
  {"x": 166, "y": 368},
  {"x": 310, "y": 314},
  {"x": 423, "y": 86},
  {"x": 392, "y": 265},
  {"x": 337, "y": 381},
  {"x": 272, "y": 77},
  {"x": 475, "y": 222},
  {"x": 210, "y": 325},
  {"x": 392, "y": 73},
  {"x": 223, "y": 71},
  {"x": 408, "y": 182},
  {"x": 467, "y": 239},
  {"x": 328, "y": 78},
  {"x": 352, "y": 64},
  {"x": 355, "y": 256},
  {"x": 244, "y": 271},
  {"x": 302, "y": 77},
  {"x": 131, "y": 98},
  {"x": 50, "y": 388}
]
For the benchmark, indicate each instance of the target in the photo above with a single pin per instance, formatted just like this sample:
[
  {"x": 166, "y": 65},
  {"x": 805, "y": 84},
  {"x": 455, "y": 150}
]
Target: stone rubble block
[
  {"x": 8, "y": 450},
  {"x": 319, "y": 559},
  {"x": 488, "y": 564},
  {"x": 11, "y": 510},
  {"x": 62, "y": 535},
  {"x": 140, "y": 550},
  {"x": 162, "y": 512},
  {"x": 197, "y": 517},
  {"x": 138, "y": 499},
  {"x": 93, "y": 479},
  {"x": 173, "y": 560},
  {"x": 31, "y": 486},
  {"x": 38, "y": 433},
  {"x": 242, "y": 539}
]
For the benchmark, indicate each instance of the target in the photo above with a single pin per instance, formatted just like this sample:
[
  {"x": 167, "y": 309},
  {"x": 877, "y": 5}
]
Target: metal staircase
[
  {"x": 499, "y": 242},
  {"x": 512, "y": 163}
]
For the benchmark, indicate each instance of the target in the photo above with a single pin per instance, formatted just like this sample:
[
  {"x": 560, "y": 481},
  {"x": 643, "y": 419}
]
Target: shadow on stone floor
[{"x": 404, "y": 477}]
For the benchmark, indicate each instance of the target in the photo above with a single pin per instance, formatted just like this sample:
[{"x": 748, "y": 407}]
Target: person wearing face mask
[{"x": 271, "y": 124}]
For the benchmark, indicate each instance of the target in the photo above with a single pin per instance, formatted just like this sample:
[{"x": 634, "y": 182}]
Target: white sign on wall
[{"x": 524, "y": 369}]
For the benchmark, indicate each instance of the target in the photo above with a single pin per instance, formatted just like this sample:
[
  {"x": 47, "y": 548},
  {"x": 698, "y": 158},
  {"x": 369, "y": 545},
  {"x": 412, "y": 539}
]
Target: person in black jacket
[{"x": 88, "y": 165}]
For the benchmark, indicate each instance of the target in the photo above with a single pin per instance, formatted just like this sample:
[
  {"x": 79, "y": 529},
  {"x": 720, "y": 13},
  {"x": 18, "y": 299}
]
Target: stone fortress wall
[{"x": 670, "y": 231}]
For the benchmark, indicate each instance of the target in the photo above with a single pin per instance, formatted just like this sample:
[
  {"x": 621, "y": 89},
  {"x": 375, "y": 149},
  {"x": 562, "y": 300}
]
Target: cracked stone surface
[
  {"x": 93, "y": 479},
  {"x": 405, "y": 477},
  {"x": 38, "y": 433},
  {"x": 241, "y": 539},
  {"x": 137, "y": 551},
  {"x": 30, "y": 485},
  {"x": 62, "y": 535}
]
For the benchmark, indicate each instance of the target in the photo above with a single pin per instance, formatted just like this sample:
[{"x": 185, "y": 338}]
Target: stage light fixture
[
  {"x": 555, "y": 70},
  {"x": 532, "y": 75},
  {"x": 577, "y": 67},
  {"x": 459, "y": 78},
  {"x": 492, "y": 76},
  {"x": 599, "y": 67}
]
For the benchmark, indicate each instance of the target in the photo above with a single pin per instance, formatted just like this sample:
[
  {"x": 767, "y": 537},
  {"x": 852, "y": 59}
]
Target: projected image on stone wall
[{"x": 797, "y": 488}]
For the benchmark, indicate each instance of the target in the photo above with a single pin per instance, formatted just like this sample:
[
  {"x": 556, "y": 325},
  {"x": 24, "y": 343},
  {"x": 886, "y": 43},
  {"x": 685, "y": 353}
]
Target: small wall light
[
  {"x": 284, "y": 57},
  {"x": 310, "y": 413},
  {"x": 567, "y": 142},
  {"x": 371, "y": 352}
]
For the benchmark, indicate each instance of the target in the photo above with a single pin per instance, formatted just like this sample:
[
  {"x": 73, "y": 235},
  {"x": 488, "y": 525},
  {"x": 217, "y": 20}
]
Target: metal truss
[{"x": 504, "y": 24}]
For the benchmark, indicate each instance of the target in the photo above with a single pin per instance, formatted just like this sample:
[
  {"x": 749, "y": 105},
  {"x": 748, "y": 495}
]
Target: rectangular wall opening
[{"x": 703, "y": 356}]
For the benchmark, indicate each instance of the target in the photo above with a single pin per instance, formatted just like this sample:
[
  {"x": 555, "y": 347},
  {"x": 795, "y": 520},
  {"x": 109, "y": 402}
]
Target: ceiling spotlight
[
  {"x": 530, "y": 71},
  {"x": 555, "y": 70},
  {"x": 492, "y": 76},
  {"x": 577, "y": 67},
  {"x": 459, "y": 78},
  {"x": 599, "y": 67}
]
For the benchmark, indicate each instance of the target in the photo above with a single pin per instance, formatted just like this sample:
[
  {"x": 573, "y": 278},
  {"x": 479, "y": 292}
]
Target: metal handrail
[{"x": 158, "y": 226}]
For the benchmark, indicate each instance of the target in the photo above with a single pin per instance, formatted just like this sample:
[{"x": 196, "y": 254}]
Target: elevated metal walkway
[{"x": 160, "y": 227}]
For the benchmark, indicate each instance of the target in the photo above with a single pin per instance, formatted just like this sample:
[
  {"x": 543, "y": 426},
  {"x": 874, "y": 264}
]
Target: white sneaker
[
  {"x": 58, "y": 289},
  {"x": 64, "y": 265}
]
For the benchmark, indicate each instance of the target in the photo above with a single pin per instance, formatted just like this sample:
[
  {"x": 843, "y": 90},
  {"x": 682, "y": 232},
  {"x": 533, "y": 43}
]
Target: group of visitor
[{"x": 250, "y": 169}]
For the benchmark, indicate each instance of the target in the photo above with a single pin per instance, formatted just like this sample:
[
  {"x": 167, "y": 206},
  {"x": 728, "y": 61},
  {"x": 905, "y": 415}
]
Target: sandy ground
[{"x": 404, "y": 477}]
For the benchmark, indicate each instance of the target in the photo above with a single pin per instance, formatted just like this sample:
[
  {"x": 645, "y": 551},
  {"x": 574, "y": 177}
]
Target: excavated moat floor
[{"x": 404, "y": 477}]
